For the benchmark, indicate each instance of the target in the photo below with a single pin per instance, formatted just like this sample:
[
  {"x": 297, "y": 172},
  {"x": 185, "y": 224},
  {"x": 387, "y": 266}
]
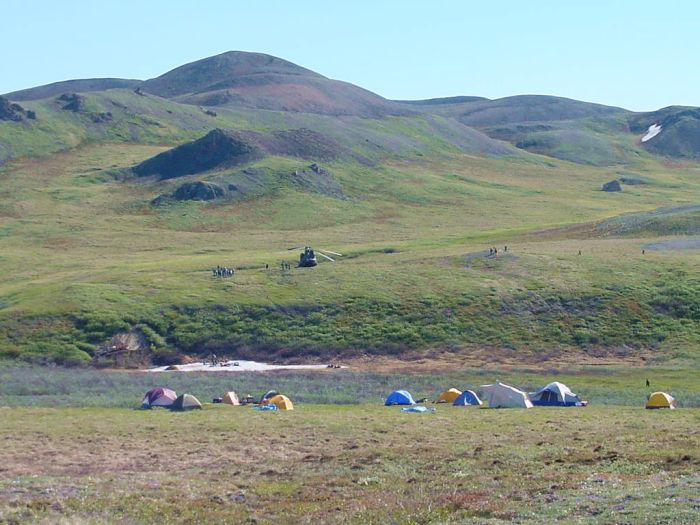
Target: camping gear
[
  {"x": 399, "y": 397},
  {"x": 660, "y": 400},
  {"x": 500, "y": 395},
  {"x": 448, "y": 396},
  {"x": 265, "y": 407},
  {"x": 467, "y": 398},
  {"x": 281, "y": 402},
  {"x": 158, "y": 397},
  {"x": 230, "y": 398},
  {"x": 186, "y": 402},
  {"x": 267, "y": 395},
  {"x": 556, "y": 394},
  {"x": 418, "y": 409},
  {"x": 217, "y": 400}
]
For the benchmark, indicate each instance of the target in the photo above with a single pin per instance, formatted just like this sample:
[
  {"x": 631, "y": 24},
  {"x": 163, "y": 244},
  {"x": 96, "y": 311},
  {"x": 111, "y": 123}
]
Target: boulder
[
  {"x": 613, "y": 185},
  {"x": 11, "y": 112},
  {"x": 199, "y": 191},
  {"x": 72, "y": 102}
]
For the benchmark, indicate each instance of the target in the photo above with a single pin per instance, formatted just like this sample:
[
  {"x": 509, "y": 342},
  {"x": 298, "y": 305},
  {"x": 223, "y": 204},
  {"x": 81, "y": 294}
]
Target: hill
[
  {"x": 672, "y": 131},
  {"x": 72, "y": 86},
  {"x": 261, "y": 81},
  {"x": 117, "y": 203}
]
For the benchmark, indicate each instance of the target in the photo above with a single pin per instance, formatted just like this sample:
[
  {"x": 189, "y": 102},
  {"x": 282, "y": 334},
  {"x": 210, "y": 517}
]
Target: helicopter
[{"x": 307, "y": 258}]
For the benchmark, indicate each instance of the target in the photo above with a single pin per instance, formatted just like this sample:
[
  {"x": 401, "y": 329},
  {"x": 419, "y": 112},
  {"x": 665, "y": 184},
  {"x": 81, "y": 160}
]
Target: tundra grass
[
  {"x": 85, "y": 255},
  {"x": 352, "y": 464},
  {"x": 33, "y": 386}
]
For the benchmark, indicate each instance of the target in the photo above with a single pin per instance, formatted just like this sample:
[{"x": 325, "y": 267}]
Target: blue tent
[
  {"x": 399, "y": 397},
  {"x": 467, "y": 398},
  {"x": 556, "y": 394}
]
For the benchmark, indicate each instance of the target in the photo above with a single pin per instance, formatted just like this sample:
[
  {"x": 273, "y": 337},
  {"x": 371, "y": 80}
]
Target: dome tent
[
  {"x": 467, "y": 398},
  {"x": 399, "y": 397},
  {"x": 500, "y": 395},
  {"x": 158, "y": 397},
  {"x": 448, "y": 396},
  {"x": 556, "y": 394},
  {"x": 660, "y": 400},
  {"x": 186, "y": 402},
  {"x": 281, "y": 402}
]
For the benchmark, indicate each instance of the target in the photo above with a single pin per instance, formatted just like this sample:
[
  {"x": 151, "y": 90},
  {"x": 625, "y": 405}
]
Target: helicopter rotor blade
[
  {"x": 295, "y": 248},
  {"x": 324, "y": 255},
  {"x": 328, "y": 251}
]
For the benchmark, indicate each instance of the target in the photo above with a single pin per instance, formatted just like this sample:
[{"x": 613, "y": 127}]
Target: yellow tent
[
  {"x": 282, "y": 402},
  {"x": 661, "y": 400},
  {"x": 230, "y": 398},
  {"x": 448, "y": 396}
]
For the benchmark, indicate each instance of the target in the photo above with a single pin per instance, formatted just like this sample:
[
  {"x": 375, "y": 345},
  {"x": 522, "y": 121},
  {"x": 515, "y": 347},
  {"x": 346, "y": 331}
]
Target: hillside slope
[{"x": 462, "y": 229}]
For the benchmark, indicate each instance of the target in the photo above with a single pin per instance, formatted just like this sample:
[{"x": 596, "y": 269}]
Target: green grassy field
[
  {"x": 85, "y": 256},
  {"x": 349, "y": 464},
  {"x": 77, "y": 450}
]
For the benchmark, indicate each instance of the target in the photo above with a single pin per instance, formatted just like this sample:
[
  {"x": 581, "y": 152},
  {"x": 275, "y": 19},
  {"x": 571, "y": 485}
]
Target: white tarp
[{"x": 500, "y": 395}]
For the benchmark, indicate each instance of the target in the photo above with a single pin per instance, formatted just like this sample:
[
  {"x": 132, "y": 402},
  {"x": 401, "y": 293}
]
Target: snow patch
[
  {"x": 653, "y": 130},
  {"x": 236, "y": 366}
]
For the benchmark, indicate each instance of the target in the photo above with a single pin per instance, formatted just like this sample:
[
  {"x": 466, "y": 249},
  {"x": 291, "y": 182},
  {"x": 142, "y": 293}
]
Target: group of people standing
[{"x": 223, "y": 271}]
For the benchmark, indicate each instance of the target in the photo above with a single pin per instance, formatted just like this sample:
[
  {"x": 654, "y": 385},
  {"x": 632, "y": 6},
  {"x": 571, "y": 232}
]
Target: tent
[
  {"x": 556, "y": 394},
  {"x": 661, "y": 400},
  {"x": 500, "y": 395},
  {"x": 186, "y": 402},
  {"x": 448, "y": 396},
  {"x": 230, "y": 398},
  {"x": 267, "y": 395},
  {"x": 281, "y": 402},
  {"x": 399, "y": 397},
  {"x": 158, "y": 397},
  {"x": 467, "y": 398}
]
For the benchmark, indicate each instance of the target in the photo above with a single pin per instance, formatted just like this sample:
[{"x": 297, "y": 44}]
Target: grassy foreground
[
  {"x": 77, "y": 451},
  {"x": 349, "y": 464}
]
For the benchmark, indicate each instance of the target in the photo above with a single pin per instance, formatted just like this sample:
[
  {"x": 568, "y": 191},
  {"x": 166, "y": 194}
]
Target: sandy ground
[
  {"x": 236, "y": 366},
  {"x": 675, "y": 244}
]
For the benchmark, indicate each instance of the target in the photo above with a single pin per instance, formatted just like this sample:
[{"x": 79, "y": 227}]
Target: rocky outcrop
[
  {"x": 14, "y": 112},
  {"x": 613, "y": 185},
  {"x": 72, "y": 102}
]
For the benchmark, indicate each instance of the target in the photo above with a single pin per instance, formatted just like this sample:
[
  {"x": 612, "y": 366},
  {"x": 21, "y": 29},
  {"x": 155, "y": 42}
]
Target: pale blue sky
[{"x": 640, "y": 55}]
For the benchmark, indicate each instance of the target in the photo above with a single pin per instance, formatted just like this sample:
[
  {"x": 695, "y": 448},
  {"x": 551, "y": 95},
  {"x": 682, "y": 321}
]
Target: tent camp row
[
  {"x": 167, "y": 398},
  {"x": 498, "y": 395}
]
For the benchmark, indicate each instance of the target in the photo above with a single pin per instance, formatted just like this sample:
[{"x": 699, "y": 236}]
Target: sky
[{"x": 640, "y": 55}]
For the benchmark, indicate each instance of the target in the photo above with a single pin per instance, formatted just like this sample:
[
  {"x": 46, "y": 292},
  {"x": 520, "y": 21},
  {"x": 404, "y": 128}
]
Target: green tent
[{"x": 186, "y": 402}]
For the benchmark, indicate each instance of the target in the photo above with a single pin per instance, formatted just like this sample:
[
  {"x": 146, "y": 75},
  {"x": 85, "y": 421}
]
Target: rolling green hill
[{"x": 116, "y": 203}]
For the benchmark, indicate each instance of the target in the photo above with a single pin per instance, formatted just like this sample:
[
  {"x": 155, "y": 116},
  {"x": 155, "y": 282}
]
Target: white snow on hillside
[{"x": 653, "y": 130}]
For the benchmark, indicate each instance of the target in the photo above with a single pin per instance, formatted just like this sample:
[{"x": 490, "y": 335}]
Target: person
[
  {"x": 505, "y": 248},
  {"x": 267, "y": 266},
  {"x": 648, "y": 383},
  {"x": 579, "y": 252},
  {"x": 643, "y": 252}
]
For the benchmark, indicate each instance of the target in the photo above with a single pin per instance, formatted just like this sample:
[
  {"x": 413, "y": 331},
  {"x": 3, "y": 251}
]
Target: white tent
[
  {"x": 555, "y": 394},
  {"x": 500, "y": 395}
]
